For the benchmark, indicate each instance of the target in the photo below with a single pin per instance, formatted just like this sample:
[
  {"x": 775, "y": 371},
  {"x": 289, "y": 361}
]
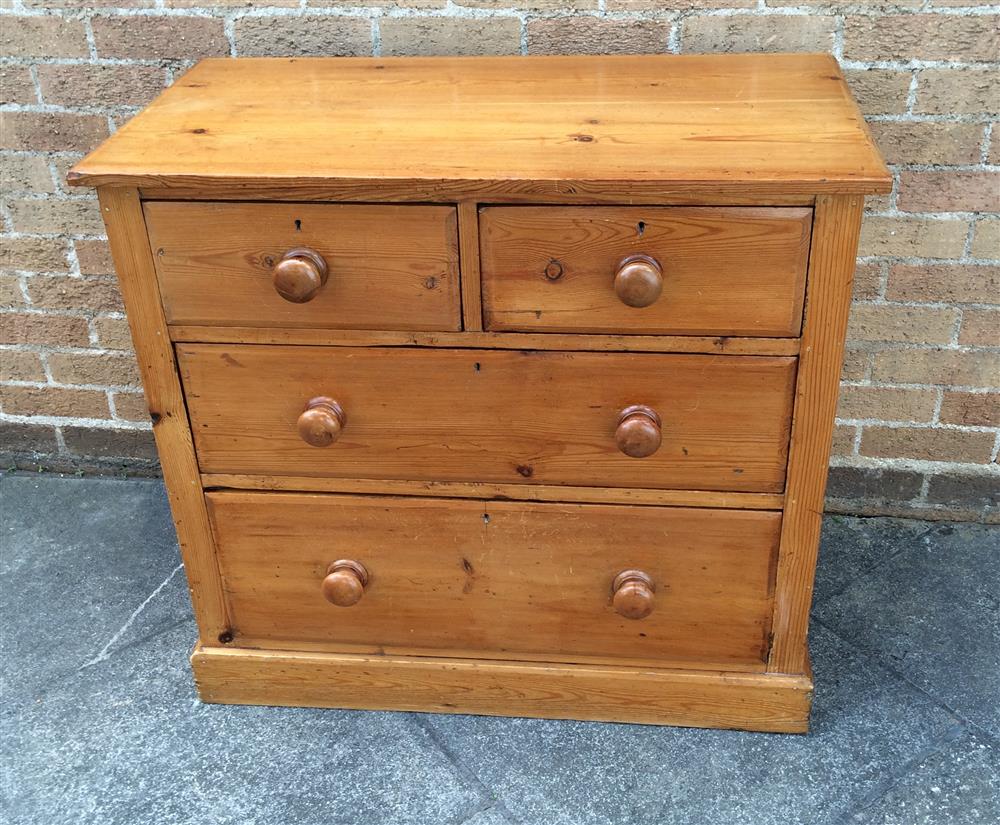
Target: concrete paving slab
[
  {"x": 126, "y": 742},
  {"x": 933, "y": 614},
  {"x": 851, "y": 547},
  {"x": 866, "y": 726},
  {"x": 958, "y": 784},
  {"x": 78, "y": 557}
]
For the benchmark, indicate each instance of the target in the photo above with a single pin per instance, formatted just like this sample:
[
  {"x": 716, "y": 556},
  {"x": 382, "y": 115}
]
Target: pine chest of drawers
[{"x": 496, "y": 385}]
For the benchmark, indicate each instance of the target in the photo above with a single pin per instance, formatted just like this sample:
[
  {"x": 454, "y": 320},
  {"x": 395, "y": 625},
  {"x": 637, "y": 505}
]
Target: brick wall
[{"x": 919, "y": 420}]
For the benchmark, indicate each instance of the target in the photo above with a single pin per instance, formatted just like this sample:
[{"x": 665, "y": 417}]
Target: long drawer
[
  {"x": 617, "y": 269},
  {"x": 468, "y": 578},
  {"x": 345, "y": 266},
  {"x": 720, "y": 422}
]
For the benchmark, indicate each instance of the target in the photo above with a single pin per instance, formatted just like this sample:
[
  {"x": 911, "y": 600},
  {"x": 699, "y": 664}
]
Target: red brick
[
  {"x": 937, "y": 366},
  {"x": 966, "y": 490},
  {"x": 109, "y": 443},
  {"x": 949, "y": 191},
  {"x": 158, "y": 38},
  {"x": 867, "y": 282},
  {"x": 880, "y": 91},
  {"x": 21, "y": 439},
  {"x": 594, "y": 35},
  {"x": 88, "y": 294},
  {"x": 52, "y": 132},
  {"x": 39, "y": 328},
  {"x": 855, "y": 365},
  {"x": 21, "y": 365},
  {"x": 42, "y": 37},
  {"x": 927, "y": 444},
  {"x": 25, "y": 173},
  {"x": 928, "y": 142},
  {"x": 913, "y": 237},
  {"x": 100, "y": 85},
  {"x": 957, "y": 92},
  {"x": 16, "y": 85},
  {"x": 33, "y": 255},
  {"x": 886, "y": 404},
  {"x": 10, "y": 292},
  {"x": 901, "y": 324},
  {"x": 980, "y": 328},
  {"x": 528, "y": 5},
  {"x": 245, "y": 4},
  {"x": 72, "y": 217},
  {"x": 973, "y": 409},
  {"x": 89, "y": 4},
  {"x": 99, "y": 369},
  {"x": 94, "y": 257},
  {"x": 310, "y": 35},
  {"x": 921, "y": 37},
  {"x": 651, "y": 5},
  {"x": 986, "y": 241},
  {"x": 873, "y": 484},
  {"x": 843, "y": 439},
  {"x": 130, "y": 406},
  {"x": 113, "y": 333},
  {"x": 943, "y": 283},
  {"x": 56, "y": 401},
  {"x": 443, "y": 35},
  {"x": 758, "y": 33}
]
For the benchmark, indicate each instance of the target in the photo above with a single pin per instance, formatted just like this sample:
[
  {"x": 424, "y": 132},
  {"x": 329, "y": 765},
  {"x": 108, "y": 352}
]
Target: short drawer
[
  {"x": 227, "y": 264},
  {"x": 722, "y": 422},
  {"x": 657, "y": 270},
  {"x": 510, "y": 580}
]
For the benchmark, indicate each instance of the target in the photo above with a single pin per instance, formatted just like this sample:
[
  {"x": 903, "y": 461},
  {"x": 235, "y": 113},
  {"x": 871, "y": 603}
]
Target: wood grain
[
  {"x": 703, "y": 121},
  {"x": 726, "y": 271},
  {"x": 423, "y": 190},
  {"x": 760, "y": 702},
  {"x": 831, "y": 271},
  {"x": 502, "y": 577},
  {"x": 468, "y": 239},
  {"x": 390, "y": 267},
  {"x": 486, "y": 491},
  {"x": 476, "y": 415},
  {"x": 719, "y": 345},
  {"x": 123, "y": 218}
]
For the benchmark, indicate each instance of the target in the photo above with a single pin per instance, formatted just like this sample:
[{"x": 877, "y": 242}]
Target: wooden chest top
[{"x": 762, "y": 124}]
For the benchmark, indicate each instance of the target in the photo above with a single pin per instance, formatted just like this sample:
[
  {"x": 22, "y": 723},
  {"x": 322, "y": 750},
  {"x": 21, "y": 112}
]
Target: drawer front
[
  {"x": 498, "y": 416},
  {"x": 387, "y": 267},
  {"x": 700, "y": 270},
  {"x": 510, "y": 580}
]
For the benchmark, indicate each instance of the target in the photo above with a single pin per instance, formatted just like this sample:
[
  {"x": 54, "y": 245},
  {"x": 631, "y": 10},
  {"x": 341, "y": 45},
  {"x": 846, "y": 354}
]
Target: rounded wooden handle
[
  {"x": 638, "y": 280},
  {"x": 299, "y": 275},
  {"x": 321, "y": 422},
  {"x": 633, "y": 593},
  {"x": 639, "y": 431},
  {"x": 345, "y": 582}
]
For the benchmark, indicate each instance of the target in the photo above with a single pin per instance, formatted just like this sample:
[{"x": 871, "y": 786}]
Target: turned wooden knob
[
  {"x": 321, "y": 422},
  {"x": 299, "y": 275},
  {"x": 345, "y": 582},
  {"x": 638, "y": 434},
  {"x": 638, "y": 280},
  {"x": 633, "y": 593}
]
